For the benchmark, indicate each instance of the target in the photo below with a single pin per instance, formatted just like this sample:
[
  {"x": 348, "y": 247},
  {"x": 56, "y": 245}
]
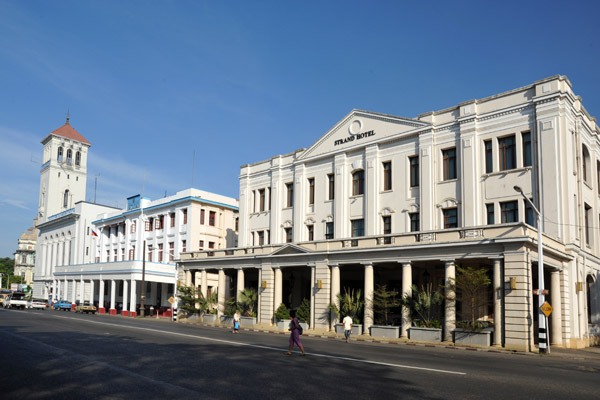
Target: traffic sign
[
  {"x": 546, "y": 309},
  {"x": 171, "y": 300}
]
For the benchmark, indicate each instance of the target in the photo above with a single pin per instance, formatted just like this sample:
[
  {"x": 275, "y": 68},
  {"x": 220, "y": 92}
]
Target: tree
[
  {"x": 469, "y": 286},
  {"x": 303, "y": 312},
  {"x": 248, "y": 302},
  {"x": 384, "y": 301},
  {"x": 188, "y": 298}
]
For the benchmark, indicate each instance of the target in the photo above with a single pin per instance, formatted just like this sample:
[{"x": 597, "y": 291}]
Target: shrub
[
  {"x": 350, "y": 303},
  {"x": 282, "y": 312},
  {"x": 425, "y": 306},
  {"x": 303, "y": 312}
]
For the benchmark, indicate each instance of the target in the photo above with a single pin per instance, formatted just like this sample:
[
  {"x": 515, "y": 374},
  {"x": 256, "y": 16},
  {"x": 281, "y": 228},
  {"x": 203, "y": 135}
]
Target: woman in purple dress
[{"x": 294, "y": 333}]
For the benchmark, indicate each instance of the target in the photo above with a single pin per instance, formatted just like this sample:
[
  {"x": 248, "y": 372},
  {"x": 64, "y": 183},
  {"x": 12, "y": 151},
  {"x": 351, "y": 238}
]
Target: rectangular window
[
  {"x": 529, "y": 217},
  {"x": 526, "y": 137},
  {"x": 489, "y": 161},
  {"x": 358, "y": 227},
  {"x": 237, "y": 224},
  {"x": 387, "y": 228},
  {"x": 172, "y": 219},
  {"x": 183, "y": 246},
  {"x": 133, "y": 226},
  {"x": 450, "y": 218},
  {"x": 588, "y": 224},
  {"x": 149, "y": 253},
  {"x": 88, "y": 228},
  {"x": 171, "y": 250},
  {"x": 358, "y": 183},
  {"x": 211, "y": 218},
  {"x": 331, "y": 186},
  {"x": 202, "y": 212},
  {"x": 288, "y": 235},
  {"x": 87, "y": 251},
  {"x": 449, "y": 157},
  {"x": 201, "y": 244},
  {"x": 269, "y": 198},
  {"x": 311, "y": 232},
  {"x": 509, "y": 212},
  {"x": 328, "y": 230},
  {"x": 123, "y": 254},
  {"x": 387, "y": 175},
  {"x": 107, "y": 255},
  {"x": 261, "y": 238},
  {"x": 289, "y": 202},
  {"x": 160, "y": 222},
  {"x": 489, "y": 208},
  {"x": 311, "y": 191},
  {"x": 147, "y": 226},
  {"x": 506, "y": 148},
  {"x": 414, "y": 171},
  {"x": 184, "y": 216},
  {"x": 115, "y": 255},
  {"x": 211, "y": 246},
  {"x": 160, "y": 252},
  {"x": 132, "y": 253},
  {"x": 261, "y": 199},
  {"x": 415, "y": 223}
]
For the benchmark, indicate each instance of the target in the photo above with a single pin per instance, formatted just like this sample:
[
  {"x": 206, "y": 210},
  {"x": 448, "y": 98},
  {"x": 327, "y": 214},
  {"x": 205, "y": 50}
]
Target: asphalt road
[{"x": 62, "y": 355}]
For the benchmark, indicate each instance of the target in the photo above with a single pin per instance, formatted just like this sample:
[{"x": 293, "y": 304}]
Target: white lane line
[{"x": 443, "y": 371}]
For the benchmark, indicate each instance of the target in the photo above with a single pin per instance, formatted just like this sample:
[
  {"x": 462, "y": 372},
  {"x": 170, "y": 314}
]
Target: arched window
[
  {"x": 69, "y": 156},
  {"x": 60, "y": 154},
  {"x": 586, "y": 164},
  {"x": 78, "y": 159},
  {"x": 66, "y": 199}
]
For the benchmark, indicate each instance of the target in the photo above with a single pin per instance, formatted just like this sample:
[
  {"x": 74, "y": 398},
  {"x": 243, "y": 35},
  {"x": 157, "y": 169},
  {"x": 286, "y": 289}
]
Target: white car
[{"x": 41, "y": 304}]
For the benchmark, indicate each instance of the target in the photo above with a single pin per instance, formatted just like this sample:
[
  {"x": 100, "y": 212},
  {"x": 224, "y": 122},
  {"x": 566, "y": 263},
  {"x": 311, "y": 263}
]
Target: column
[
  {"x": 556, "y": 316},
  {"x": 164, "y": 290},
  {"x": 133, "y": 299},
  {"x": 313, "y": 289},
  {"x": 81, "y": 289},
  {"x": 188, "y": 278},
  {"x": 73, "y": 291},
  {"x": 124, "y": 309},
  {"x": 278, "y": 288},
  {"x": 368, "y": 320},
  {"x": 101, "y": 309},
  {"x": 498, "y": 296},
  {"x": 197, "y": 281},
  {"x": 53, "y": 289},
  {"x": 65, "y": 290},
  {"x": 450, "y": 309},
  {"x": 221, "y": 293},
  {"x": 92, "y": 291},
  {"x": 204, "y": 279},
  {"x": 113, "y": 290},
  {"x": 406, "y": 292},
  {"x": 335, "y": 290},
  {"x": 240, "y": 284},
  {"x": 57, "y": 294},
  {"x": 153, "y": 291}
]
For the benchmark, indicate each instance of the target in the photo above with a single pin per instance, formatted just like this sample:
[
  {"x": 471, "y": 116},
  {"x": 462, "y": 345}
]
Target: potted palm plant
[
  {"x": 425, "y": 308},
  {"x": 248, "y": 305},
  {"x": 210, "y": 314},
  {"x": 349, "y": 303},
  {"x": 470, "y": 287},
  {"x": 384, "y": 302}
]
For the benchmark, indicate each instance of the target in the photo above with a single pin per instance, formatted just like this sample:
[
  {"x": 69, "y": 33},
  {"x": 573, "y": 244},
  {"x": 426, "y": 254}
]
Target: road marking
[{"x": 443, "y": 371}]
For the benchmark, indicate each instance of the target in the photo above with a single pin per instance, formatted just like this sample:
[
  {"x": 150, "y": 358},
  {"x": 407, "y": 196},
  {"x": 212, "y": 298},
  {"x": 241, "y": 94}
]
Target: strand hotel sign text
[{"x": 355, "y": 133}]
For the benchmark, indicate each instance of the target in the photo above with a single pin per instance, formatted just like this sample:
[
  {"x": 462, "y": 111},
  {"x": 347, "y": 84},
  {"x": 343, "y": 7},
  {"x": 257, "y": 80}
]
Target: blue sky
[{"x": 150, "y": 82}]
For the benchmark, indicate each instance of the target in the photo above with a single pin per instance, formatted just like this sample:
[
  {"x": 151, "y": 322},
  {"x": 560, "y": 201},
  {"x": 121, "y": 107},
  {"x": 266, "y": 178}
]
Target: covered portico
[{"x": 116, "y": 287}]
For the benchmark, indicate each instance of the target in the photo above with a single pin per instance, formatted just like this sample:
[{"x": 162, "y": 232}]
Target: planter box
[
  {"x": 357, "y": 329},
  {"x": 246, "y": 321},
  {"x": 227, "y": 319},
  {"x": 193, "y": 317},
  {"x": 482, "y": 338},
  {"x": 425, "y": 334},
  {"x": 210, "y": 318},
  {"x": 283, "y": 325},
  {"x": 385, "y": 331}
]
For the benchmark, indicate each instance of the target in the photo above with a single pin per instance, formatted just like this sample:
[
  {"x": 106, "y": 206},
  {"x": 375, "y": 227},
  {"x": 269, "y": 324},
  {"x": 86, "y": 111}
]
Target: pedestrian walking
[
  {"x": 236, "y": 322},
  {"x": 295, "y": 330},
  {"x": 347, "y": 321}
]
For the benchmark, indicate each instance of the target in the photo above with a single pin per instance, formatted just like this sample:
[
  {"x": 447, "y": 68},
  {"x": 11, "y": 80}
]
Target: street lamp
[{"x": 543, "y": 342}]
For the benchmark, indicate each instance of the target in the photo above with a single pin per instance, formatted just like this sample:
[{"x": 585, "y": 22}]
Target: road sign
[
  {"x": 546, "y": 309},
  {"x": 545, "y": 292},
  {"x": 171, "y": 300}
]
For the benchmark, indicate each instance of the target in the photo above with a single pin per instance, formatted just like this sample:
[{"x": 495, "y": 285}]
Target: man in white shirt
[{"x": 347, "y": 321}]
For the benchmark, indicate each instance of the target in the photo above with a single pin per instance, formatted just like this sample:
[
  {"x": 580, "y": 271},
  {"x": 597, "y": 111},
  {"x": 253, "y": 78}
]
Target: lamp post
[{"x": 543, "y": 343}]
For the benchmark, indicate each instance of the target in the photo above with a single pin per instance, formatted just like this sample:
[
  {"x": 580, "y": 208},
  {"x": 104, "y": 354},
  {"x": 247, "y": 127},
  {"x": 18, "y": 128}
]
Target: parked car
[
  {"x": 41, "y": 304},
  {"x": 62, "y": 305},
  {"x": 86, "y": 307},
  {"x": 16, "y": 300}
]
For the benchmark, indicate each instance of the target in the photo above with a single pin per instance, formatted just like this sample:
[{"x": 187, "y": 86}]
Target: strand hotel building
[{"x": 381, "y": 199}]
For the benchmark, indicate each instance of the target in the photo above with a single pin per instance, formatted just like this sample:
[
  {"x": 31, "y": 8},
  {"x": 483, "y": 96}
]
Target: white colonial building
[
  {"x": 25, "y": 254},
  {"x": 401, "y": 201}
]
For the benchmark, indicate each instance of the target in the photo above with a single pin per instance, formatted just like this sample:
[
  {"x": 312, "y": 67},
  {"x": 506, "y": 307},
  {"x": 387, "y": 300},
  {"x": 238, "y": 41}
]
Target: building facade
[
  {"x": 25, "y": 255},
  {"x": 381, "y": 199}
]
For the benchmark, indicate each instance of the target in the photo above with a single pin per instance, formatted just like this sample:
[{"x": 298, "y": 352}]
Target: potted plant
[
  {"x": 303, "y": 314},
  {"x": 425, "y": 308},
  {"x": 210, "y": 315},
  {"x": 282, "y": 317},
  {"x": 470, "y": 287},
  {"x": 248, "y": 305},
  {"x": 384, "y": 301},
  {"x": 231, "y": 305},
  {"x": 350, "y": 303}
]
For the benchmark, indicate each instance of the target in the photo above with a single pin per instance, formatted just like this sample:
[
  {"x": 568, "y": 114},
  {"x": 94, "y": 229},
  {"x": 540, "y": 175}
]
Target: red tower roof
[{"x": 68, "y": 132}]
